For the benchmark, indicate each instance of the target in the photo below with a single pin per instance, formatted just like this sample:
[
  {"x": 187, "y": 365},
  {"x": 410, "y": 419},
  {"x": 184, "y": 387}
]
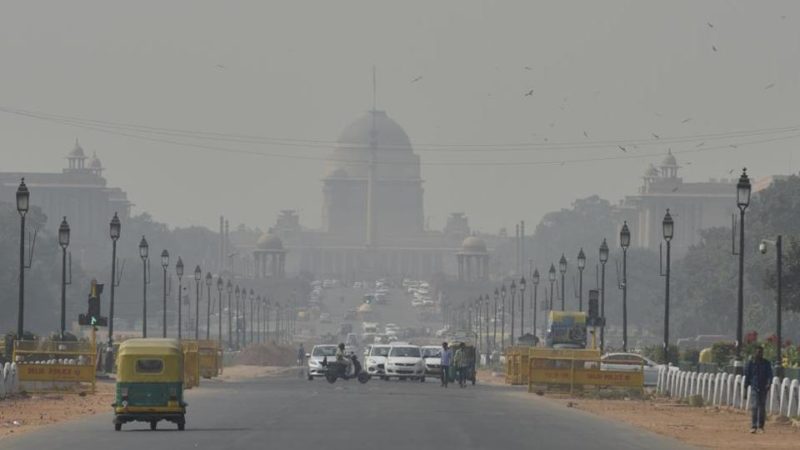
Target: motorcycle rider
[{"x": 342, "y": 358}]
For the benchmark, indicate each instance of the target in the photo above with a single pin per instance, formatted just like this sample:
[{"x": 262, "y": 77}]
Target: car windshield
[
  {"x": 431, "y": 352},
  {"x": 409, "y": 352},
  {"x": 379, "y": 351},
  {"x": 324, "y": 351}
]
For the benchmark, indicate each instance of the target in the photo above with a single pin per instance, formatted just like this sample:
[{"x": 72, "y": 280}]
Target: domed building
[
  {"x": 373, "y": 186},
  {"x": 269, "y": 257},
  {"x": 372, "y": 214},
  {"x": 473, "y": 260}
]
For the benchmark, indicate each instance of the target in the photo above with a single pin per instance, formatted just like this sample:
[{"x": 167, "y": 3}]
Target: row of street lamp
[{"x": 259, "y": 308}]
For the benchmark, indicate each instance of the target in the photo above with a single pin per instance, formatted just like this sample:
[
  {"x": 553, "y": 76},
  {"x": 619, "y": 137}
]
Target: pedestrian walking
[
  {"x": 758, "y": 376},
  {"x": 446, "y": 357},
  {"x": 460, "y": 363}
]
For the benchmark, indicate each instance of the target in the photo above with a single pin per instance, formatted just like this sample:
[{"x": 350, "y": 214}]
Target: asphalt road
[{"x": 291, "y": 413}]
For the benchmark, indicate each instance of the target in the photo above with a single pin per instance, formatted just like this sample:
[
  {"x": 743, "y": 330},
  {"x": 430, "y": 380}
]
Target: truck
[{"x": 566, "y": 329}]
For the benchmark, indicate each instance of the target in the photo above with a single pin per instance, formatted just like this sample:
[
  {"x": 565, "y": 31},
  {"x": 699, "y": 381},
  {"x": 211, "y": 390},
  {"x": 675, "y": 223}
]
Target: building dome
[
  {"x": 269, "y": 242},
  {"x": 95, "y": 163},
  {"x": 77, "y": 151},
  {"x": 394, "y": 156},
  {"x": 669, "y": 160},
  {"x": 473, "y": 244}
]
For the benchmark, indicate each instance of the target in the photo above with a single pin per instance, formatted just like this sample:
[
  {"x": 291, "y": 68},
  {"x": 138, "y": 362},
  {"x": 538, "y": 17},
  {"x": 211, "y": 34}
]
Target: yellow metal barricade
[
  {"x": 576, "y": 368},
  {"x": 514, "y": 365},
  {"x": 46, "y": 366},
  {"x": 191, "y": 364},
  {"x": 210, "y": 358}
]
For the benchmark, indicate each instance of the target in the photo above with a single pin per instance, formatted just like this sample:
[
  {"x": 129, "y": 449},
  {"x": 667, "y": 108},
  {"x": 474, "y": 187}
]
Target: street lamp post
[
  {"x": 522, "y": 285},
  {"x": 562, "y": 267},
  {"x": 115, "y": 227},
  {"x": 535, "y": 304},
  {"x": 238, "y": 296},
  {"x": 23, "y": 204},
  {"x": 252, "y": 314},
  {"x": 625, "y": 242},
  {"x": 258, "y": 319},
  {"x": 229, "y": 289},
  {"x": 198, "y": 274},
  {"x": 63, "y": 241},
  {"x": 220, "y": 286},
  {"x": 164, "y": 265},
  {"x": 486, "y": 323},
  {"x": 552, "y": 278},
  {"x": 742, "y": 201},
  {"x": 503, "y": 320},
  {"x": 668, "y": 226},
  {"x": 603, "y": 260},
  {"x": 513, "y": 289},
  {"x": 494, "y": 326},
  {"x": 144, "y": 250},
  {"x": 209, "y": 280},
  {"x": 581, "y": 266},
  {"x": 179, "y": 272},
  {"x": 778, "y": 243}
]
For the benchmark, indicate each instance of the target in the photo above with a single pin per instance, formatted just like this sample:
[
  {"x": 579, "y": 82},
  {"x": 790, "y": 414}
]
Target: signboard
[
  {"x": 587, "y": 376},
  {"x": 55, "y": 372}
]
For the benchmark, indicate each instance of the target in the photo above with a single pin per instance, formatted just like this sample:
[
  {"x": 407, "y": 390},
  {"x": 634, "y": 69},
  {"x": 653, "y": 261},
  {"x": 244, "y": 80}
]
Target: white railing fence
[
  {"x": 9, "y": 380},
  {"x": 723, "y": 389}
]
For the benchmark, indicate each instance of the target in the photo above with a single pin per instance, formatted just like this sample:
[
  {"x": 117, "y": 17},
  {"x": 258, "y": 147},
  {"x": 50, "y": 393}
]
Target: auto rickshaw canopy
[{"x": 155, "y": 360}]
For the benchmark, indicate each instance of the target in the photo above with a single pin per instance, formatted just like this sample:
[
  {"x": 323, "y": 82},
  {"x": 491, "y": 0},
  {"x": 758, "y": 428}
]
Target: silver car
[{"x": 318, "y": 354}]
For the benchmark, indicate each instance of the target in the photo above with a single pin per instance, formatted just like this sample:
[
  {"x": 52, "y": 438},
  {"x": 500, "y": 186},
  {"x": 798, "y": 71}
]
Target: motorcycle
[{"x": 335, "y": 370}]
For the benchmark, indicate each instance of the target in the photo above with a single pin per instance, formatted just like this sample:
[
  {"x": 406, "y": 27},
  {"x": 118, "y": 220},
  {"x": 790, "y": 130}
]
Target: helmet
[{"x": 341, "y": 345}]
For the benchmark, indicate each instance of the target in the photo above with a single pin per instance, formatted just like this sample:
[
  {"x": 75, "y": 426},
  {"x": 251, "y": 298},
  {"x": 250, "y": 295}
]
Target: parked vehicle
[
  {"x": 631, "y": 362},
  {"x": 149, "y": 383}
]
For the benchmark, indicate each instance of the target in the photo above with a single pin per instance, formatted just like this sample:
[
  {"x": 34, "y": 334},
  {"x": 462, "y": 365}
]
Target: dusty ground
[
  {"x": 707, "y": 427},
  {"x": 23, "y": 414}
]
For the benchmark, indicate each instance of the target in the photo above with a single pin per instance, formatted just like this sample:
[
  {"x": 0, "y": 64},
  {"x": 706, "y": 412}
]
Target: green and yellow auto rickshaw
[
  {"x": 470, "y": 362},
  {"x": 149, "y": 383}
]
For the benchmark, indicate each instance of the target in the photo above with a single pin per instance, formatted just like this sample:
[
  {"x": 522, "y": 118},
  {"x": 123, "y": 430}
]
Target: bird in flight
[
  {"x": 622, "y": 148},
  {"x": 585, "y": 134},
  {"x": 700, "y": 144},
  {"x": 710, "y": 25},
  {"x": 686, "y": 120},
  {"x": 656, "y": 136},
  {"x": 714, "y": 47},
  {"x": 528, "y": 68},
  {"x": 220, "y": 66},
  {"x": 675, "y": 189},
  {"x": 416, "y": 79},
  {"x": 529, "y": 93},
  {"x": 769, "y": 86}
]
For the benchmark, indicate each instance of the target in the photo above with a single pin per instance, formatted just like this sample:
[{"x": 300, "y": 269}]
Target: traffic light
[
  {"x": 594, "y": 310},
  {"x": 93, "y": 317}
]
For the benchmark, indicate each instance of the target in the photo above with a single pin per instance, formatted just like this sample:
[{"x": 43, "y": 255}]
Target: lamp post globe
[
  {"x": 23, "y": 198},
  {"x": 179, "y": 268},
  {"x": 115, "y": 227},
  {"x": 165, "y": 259},
  {"x": 522, "y": 285},
  {"x": 581, "y": 266},
  {"x": 581, "y": 259},
  {"x": 603, "y": 252},
  {"x": 144, "y": 248},
  {"x": 743, "y": 190},
  {"x": 562, "y": 268},
  {"x": 198, "y": 273},
  {"x": 63, "y": 234},
  {"x": 668, "y": 226}
]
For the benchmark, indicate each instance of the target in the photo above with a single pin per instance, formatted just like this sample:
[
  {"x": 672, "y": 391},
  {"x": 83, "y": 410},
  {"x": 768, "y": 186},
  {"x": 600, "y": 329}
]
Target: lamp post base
[{"x": 738, "y": 367}]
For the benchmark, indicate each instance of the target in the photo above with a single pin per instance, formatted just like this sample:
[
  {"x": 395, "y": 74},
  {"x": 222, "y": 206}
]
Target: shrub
[{"x": 722, "y": 353}]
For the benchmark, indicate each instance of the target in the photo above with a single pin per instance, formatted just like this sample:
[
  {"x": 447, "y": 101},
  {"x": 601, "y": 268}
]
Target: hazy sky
[{"x": 599, "y": 70}]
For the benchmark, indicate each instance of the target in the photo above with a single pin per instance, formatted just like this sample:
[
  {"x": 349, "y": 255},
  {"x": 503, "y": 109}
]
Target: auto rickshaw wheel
[
  {"x": 310, "y": 377},
  {"x": 422, "y": 379},
  {"x": 153, "y": 424},
  {"x": 331, "y": 377},
  {"x": 181, "y": 426},
  {"x": 117, "y": 426}
]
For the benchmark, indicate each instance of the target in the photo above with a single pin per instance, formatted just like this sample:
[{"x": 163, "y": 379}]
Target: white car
[
  {"x": 376, "y": 359},
  {"x": 405, "y": 361},
  {"x": 315, "y": 358},
  {"x": 432, "y": 355},
  {"x": 631, "y": 362}
]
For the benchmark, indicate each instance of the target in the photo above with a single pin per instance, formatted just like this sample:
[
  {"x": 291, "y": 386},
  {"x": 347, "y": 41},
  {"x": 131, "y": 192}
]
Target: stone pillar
[
  {"x": 460, "y": 259},
  {"x": 282, "y": 265}
]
